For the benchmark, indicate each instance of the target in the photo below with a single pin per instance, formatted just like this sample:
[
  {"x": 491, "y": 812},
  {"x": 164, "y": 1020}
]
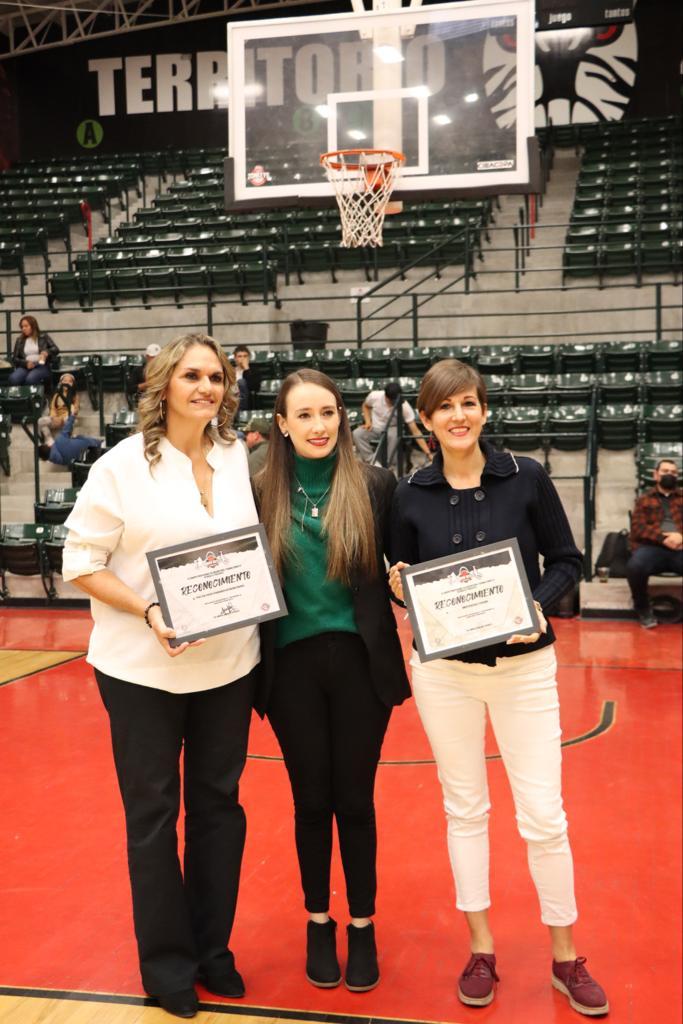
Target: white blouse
[{"x": 123, "y": 511}]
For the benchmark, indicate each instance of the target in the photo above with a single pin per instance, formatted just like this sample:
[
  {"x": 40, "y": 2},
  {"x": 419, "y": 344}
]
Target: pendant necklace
[{"x": 315, "y": 505}]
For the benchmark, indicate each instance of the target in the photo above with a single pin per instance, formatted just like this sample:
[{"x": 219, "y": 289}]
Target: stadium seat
[
  {"x": 618, "y": 425},
  {"x": 21, "y": 553}
]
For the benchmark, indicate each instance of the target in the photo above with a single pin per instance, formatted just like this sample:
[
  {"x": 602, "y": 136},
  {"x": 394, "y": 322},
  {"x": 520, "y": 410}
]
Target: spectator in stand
[
  {"x": 65, "y": 402},
  {"x": 64, "y": 449},
  {"x": 257, "y": 436},
  {"x": 377, "y": 408},
  {"x": 32, "y": 355},
  {"x": 138, "y": 373},
  {"x": 656, "y": 536},
  {"x": 247, "y": 376}
]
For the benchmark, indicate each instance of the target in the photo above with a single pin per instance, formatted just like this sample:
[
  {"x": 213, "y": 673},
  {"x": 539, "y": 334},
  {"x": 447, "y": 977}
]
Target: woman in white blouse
[{"x": 178, "y": 479}]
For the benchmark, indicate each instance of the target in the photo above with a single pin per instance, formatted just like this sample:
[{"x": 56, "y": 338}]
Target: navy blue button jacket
[{"x": 516, "y": 498}]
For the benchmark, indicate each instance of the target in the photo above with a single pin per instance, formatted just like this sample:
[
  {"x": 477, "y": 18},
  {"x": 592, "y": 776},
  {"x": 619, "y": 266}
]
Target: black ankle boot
[
  {"x": 362, "y": 972},
  {"x": 322, "y": 966}
]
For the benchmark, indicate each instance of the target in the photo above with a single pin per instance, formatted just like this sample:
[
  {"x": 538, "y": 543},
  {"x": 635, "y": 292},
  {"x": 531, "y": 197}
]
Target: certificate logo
[
  {"x": 211, "y": 560},
  {"x": 465, "y": 575}
]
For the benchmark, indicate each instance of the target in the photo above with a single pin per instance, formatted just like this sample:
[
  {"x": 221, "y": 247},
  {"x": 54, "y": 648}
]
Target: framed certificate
[
  {"x": 473, "y": 599},
  {"x": 217, "y": 583}
]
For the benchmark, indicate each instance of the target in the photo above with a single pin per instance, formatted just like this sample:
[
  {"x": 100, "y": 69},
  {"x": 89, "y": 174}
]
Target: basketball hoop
[{"x": 363, "y": 180}]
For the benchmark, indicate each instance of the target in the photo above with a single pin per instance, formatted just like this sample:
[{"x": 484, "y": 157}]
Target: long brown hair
[
  {"x": 445, "y": 378},
  {"x": 158, "y": 373},
  {"x": 35, "y": 329},
  {"x": 348, "y": 521}
]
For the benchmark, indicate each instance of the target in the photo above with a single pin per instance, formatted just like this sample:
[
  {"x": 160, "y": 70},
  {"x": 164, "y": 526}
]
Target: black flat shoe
[
  {"x": 322, "y": 966},
  {"x": 227, "y": 983},
  {"x": 180, "y": 1004}
]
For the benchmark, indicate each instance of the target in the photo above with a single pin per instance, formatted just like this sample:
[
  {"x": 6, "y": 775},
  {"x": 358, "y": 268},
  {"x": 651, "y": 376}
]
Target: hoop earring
[{"x": 432, "y": 442}]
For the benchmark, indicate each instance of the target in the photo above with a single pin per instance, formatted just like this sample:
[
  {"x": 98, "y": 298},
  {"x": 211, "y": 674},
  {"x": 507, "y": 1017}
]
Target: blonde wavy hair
[{"x": 158, "y": 373}]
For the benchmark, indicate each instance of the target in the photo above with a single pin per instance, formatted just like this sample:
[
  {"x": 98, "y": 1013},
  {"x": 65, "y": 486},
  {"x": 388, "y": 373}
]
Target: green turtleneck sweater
[{"x": 316, "y": 604}]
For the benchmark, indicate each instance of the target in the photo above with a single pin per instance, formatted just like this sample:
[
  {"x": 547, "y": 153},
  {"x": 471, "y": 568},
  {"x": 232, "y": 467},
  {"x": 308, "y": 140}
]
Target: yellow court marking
[{"x": 16, "y": 664}]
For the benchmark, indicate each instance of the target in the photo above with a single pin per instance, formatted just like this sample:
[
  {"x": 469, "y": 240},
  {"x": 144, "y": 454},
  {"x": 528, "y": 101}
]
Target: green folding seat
[
  {"x": 579, "y": 357},
  {"x": 496, "y": 389},
  {"x": 259, "y": 278},
  {"x": 568, "y": 427},
  {"x": 81, "y": 467},
  {"x": 658, "y": 255},
  {"x": 618, "y": 425},
  {"x": 663, "y": 422},
  {"x": 663, "y": 386},
  {"x": 122, "y": 425},
  {"x": 412, "y": 361},
  {"x": 622, "y": 356},
  {"x": 618, "y": 387},
  {"x": 267, "y": 393},
  {"x": 336, "y": 363},
  {"x": 574, "y": 387},
  {"x": 289, "y": 361},
  {"x": 374, "y": 362},
  {"x": 617, "y": 258},
  {"x": 23, "y": 401},
  {"x": 664, "y": 355},
  {"x": 160, "y": 282},
  {"x": 355, "y": 390},
  {"x": 53, "y": 548},
  {"x": 224, "y": 278},
  {"x": 56, "y": 505},
  {"x": 64, "y": 288},
  {"x": 117, "y": 259},
  {"x": 191, "y": 280},
  {"x": 128, "y": 283},
  {"x": 579, "y": 260},
  {"x": 537, "y": 358},
  {"x": 529, "y": 389},
  {"x": 21, "y": 553},
  {"x": 523, "y": 427},
  {"x": 498, "y": 359}
]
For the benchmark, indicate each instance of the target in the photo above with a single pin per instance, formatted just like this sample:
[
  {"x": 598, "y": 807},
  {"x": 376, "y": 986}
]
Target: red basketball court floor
[{"x": 65, "y": 926}]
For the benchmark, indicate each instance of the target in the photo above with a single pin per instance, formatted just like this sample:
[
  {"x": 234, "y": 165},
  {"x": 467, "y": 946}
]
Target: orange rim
[{"x": 327, "y": 159}]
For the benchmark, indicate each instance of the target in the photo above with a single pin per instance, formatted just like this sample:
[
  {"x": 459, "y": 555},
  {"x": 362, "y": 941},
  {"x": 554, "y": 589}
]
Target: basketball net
[{"x": 363, "y": 181}]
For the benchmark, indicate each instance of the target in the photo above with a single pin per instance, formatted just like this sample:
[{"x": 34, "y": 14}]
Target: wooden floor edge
[{"x": 239, "y": 1010}]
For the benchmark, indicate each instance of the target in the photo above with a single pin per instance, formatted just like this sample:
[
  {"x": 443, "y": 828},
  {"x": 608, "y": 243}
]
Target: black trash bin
[{"x": 308, "y": 333}]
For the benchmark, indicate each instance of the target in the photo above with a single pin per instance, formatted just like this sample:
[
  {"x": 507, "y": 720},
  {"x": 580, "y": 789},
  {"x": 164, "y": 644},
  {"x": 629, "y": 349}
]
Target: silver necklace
[{"x": 315, "y": 505}]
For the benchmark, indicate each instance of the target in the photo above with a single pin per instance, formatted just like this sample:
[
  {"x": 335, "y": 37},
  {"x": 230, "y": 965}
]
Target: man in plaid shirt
[{"x": 656, "y": 536}]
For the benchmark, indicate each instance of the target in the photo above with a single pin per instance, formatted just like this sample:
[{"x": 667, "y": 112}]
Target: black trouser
[
  {"x": 330, "y": 725},
  {"x": 646, "y": 560},
  {"x": 181, "y": 923}
]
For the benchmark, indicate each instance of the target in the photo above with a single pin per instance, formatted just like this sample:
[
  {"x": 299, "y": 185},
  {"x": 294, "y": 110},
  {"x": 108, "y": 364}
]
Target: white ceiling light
[
  {"x": 221, "y": 91},
  {"x": 253, "y": 89},
  {"x": 356, "y": 134},
  {"x": 442, "y": 119},
  {"x": 323, "y": 110},
  {"x": 471, "y": 97}
]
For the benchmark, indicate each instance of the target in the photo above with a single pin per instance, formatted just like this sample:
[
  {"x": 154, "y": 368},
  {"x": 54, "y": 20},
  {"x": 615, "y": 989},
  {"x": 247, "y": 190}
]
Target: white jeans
[{"x": 520, "y": 694}]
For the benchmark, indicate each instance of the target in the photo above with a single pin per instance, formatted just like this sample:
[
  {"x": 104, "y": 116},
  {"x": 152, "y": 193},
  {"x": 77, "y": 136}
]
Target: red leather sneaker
[
  {"x": 476, "y": 984},
  {"x": 585, "y": 995}
]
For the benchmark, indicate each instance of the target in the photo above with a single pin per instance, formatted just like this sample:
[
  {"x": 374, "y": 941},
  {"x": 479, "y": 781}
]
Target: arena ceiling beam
[{"x": 27, "y": 26}]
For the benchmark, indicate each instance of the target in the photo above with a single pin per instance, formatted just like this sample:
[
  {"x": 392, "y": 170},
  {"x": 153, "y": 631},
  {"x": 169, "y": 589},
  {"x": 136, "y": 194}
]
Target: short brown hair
[{"x": 445, "y": 378}]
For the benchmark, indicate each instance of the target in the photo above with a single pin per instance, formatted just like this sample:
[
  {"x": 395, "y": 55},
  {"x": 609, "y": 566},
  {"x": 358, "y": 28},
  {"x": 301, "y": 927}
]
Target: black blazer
[{"x": 372, "y": 609}]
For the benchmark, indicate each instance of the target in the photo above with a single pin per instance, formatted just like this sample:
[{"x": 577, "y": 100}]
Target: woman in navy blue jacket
[{"x": 473, "y": 495}]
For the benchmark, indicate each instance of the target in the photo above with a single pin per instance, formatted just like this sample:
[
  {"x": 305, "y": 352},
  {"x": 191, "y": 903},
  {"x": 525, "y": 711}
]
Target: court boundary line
[
  {"x": 39, "y": 671},
  {"x": 608, "y": 716},
  {"x": 228, "y": 1009}
]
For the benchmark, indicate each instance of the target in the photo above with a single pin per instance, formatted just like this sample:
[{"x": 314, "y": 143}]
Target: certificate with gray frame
[
  {"x": 473, "y": 599},
  {"x": 218, "y": 583}
]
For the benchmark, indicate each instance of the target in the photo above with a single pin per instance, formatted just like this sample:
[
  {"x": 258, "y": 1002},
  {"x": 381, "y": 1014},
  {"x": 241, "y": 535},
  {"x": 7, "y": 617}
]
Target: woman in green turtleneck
[{"x": 333, "y": 668}]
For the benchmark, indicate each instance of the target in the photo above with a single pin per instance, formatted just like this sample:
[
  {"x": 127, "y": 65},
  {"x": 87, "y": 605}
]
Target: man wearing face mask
[{"x": 656, "y": 536}]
